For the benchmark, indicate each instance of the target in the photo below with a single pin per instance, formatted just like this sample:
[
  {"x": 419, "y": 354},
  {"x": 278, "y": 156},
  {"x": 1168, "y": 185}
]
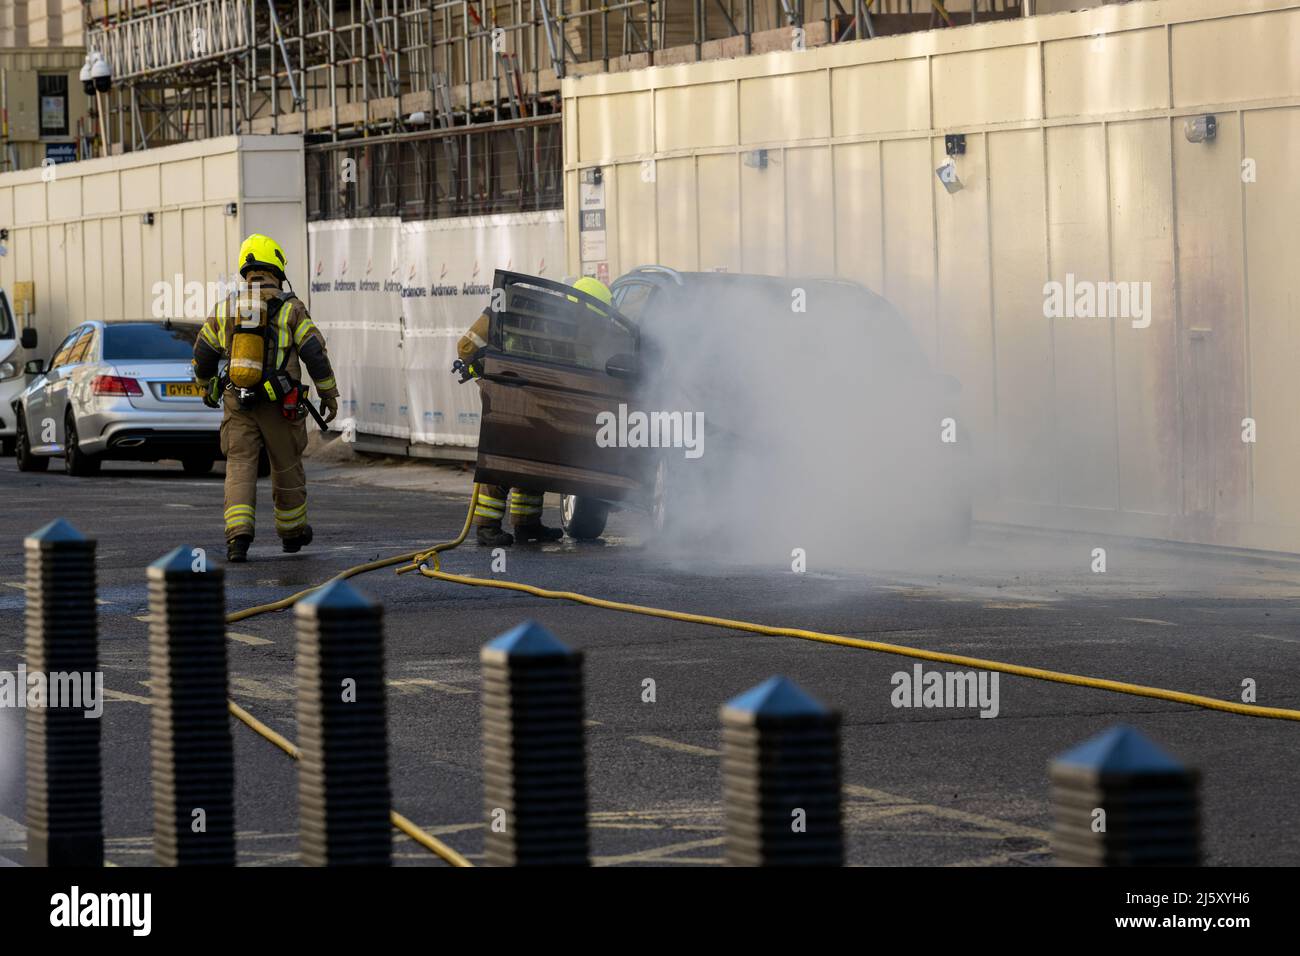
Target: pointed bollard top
[
  {"x": 777, "y": 698},
  {"x": 55, "y": 533},
  {"x": 1119, "y": 751},
  {"x": 179, "y": 560},
  {"x": 528, "y": 639},
  {"x": 333, "y": 598}
]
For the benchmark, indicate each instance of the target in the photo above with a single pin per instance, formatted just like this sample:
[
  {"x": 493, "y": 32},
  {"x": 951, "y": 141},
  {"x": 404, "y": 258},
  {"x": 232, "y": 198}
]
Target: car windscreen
[
  {"x": 149, "y": 341},
  {"x": 6, "y": 320}
]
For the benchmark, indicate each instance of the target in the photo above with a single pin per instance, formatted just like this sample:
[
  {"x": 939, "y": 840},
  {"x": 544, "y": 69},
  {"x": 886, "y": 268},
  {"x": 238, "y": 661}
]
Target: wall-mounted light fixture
[
  {"x": 593, "y": 176},
  {"x": 1201, "y": 129},
  {"x": 954, "y": 144},
  {"x": 146, "y": 218},
  {"x": 4, "y": 234},
  {"x": 756, "y": 159},
  {"x": 230, "y": 208}
]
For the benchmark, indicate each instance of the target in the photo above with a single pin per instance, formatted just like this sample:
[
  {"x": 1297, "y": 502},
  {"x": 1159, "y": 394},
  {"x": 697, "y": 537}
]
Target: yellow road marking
[
  {"x": 251, "y": 639},
  {"x": 415, "y": 683},
  {"x": 1004, "y": 827},
  {"x": 124, "y": 696},
  {"x": 680, "y": 747},
  {"x": 665, "y": 854},
  {"x": 260, "y": 690}
]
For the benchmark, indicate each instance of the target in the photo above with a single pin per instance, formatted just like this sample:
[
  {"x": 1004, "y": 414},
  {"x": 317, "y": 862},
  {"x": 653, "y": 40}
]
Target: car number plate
[{"x": 182, "y": 390}]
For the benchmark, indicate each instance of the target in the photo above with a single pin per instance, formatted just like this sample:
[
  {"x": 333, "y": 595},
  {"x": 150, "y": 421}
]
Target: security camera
[{"x": 101, "y": 72}]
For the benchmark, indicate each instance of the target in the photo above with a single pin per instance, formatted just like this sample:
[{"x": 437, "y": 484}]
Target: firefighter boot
[
  {"x": 526, "y": 514},
  {"x": 237, "y": 549},
  {"x": 528, "y": 533},
  {"x": 297, "y": 542},
  {"x": 491, "y": 536}
]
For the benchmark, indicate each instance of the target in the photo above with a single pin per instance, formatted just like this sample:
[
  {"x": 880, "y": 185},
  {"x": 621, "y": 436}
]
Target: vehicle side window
[
  {"x": 541, "y": 328},
  {"x": 64, "y": 350},
  {"x": 633, "y": 298},
  {"x": 84, "y": 348}
]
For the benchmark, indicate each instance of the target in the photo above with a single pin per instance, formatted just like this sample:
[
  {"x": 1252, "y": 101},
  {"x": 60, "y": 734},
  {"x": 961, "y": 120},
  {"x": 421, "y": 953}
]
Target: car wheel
[
  {"x": 583, "y": 519},
  {"x": 23, "y": 451},
  {"x": 198, "y": 465},
  {"x": 75, "y": 461}
]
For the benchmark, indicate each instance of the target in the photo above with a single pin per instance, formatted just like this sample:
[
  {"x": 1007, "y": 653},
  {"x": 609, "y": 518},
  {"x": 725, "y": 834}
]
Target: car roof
[
  {"x": 663, "y": 275},
  {"x": 673, "y": 278}
]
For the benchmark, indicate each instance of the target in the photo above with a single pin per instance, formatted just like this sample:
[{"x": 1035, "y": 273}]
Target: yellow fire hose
[
  {"x": 418, "y": 561},
  {"x": 288, "y": 746}
]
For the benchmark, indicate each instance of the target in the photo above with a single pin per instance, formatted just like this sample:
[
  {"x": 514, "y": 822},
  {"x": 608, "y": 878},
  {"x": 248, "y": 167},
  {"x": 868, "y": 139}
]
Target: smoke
[{"x": 825, "y": 425}]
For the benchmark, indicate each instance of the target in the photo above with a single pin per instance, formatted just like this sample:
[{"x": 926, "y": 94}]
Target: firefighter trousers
[
  {"x": 244, "y": 433},
  {"x": 525, "y": 506}
]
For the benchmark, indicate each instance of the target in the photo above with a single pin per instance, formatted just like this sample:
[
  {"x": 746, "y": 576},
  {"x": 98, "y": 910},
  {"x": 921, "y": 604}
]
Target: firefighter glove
[
  {"x": 329, "y": 408},
  {"x": 212, "y": 393}
]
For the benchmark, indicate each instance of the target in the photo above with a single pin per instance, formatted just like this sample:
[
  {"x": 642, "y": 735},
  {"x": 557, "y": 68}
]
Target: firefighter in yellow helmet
[
  {"x": 266, "y": 336},
  {"x": 525, "y": 505}
]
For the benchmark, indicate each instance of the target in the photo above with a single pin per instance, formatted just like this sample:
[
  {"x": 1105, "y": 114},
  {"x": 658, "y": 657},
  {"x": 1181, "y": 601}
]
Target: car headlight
[{"x": 8, "y": 370}]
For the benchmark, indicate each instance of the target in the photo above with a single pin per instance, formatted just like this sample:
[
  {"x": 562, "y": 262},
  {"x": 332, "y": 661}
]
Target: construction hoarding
[{"x": 393, "y": 297}]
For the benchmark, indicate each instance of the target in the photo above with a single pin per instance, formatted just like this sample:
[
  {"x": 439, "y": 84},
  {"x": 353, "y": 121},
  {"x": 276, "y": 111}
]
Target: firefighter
[
  {"x": 525, "y": 505},
  {"x": 263, "y": 331}
]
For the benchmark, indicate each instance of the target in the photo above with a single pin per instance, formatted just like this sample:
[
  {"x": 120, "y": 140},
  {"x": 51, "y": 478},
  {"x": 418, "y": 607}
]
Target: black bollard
[
  {"x": 343, "y": 796},
  {"x": 65, "y": 824},
  {"x": 1119, "y": 800},
  {"x": 534, "y": 754},
  {"x": 193, "y": 754},
  {"x": 781, "y": 778}
]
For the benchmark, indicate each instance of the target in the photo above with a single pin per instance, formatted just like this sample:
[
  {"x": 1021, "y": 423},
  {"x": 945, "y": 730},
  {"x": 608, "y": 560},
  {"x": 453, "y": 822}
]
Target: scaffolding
[{"x": 426, "y": 108}]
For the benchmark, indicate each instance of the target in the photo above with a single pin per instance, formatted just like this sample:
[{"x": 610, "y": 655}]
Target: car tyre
[
  {"x": 198, "y": 465},
  {"x": 75, "y": 461},
  {"x": 27, "y": 461},
  {"x": 583, "y": 519}
]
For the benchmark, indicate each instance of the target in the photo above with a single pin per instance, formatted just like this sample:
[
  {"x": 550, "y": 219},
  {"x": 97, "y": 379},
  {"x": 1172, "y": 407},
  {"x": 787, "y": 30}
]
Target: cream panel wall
[
  {"x": 809, "y": 206},
  {"x": 859, "y": 253},
  {"x": 82, "y": 239},
  {"x": 678, "y": 237},
  {"x": 691, "y": 117},
  {"x": 784, "y": 108},
  {"x": 718, "y": 202},
  {"x": 986, "y": 86},
  {"x": 1272, "y": 139},
  {"x": 963, "y": 317},
  {"x": 1076, "y": 172},
  {"x": 762, "y": 217},
  {"x": 1085, "y": 381},
  {"x": 908, "y": 222},
  {"x": 1142, "y": 250},
  {"x": 1026, "y": 439},
  {"x": 881, "y": 97}
]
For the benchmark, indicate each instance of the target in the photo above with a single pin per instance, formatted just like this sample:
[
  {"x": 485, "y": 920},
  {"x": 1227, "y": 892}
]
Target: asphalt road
[{"x": 923, "y": 786}]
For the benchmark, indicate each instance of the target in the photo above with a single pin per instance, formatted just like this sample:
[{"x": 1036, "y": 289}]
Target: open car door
[{"x": 556, "y": 359}]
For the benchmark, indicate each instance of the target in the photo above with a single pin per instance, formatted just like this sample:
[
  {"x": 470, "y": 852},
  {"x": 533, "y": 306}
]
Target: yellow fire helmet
[
  {"x": 262, "y": 252},
  {"x": 594, "y": 288}
]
